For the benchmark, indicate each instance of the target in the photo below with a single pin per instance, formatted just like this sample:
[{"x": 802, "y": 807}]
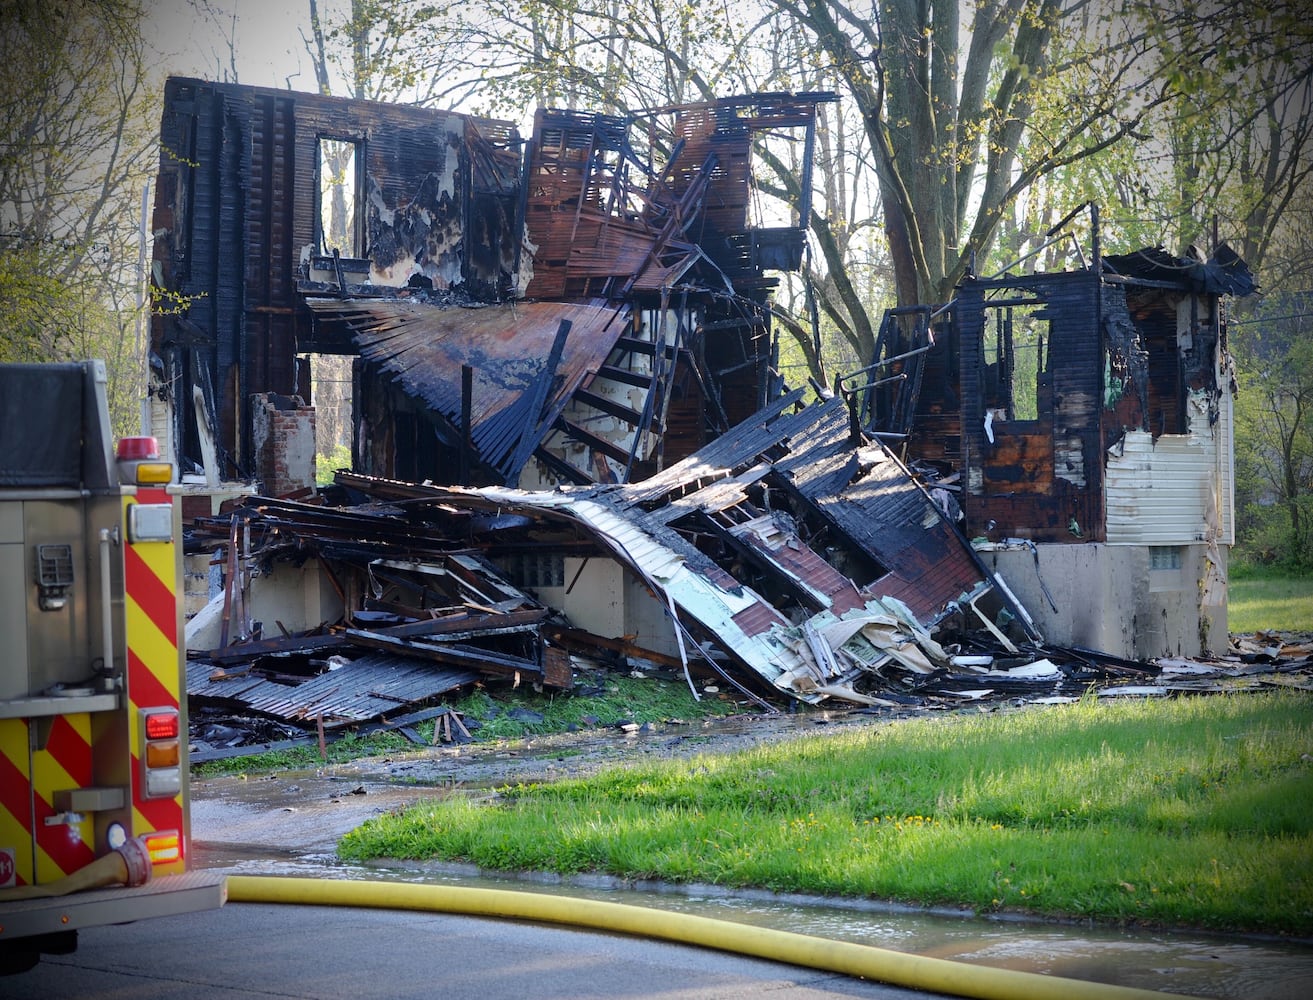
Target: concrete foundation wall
[
  {"x": 1111, "y": 598},
  {"x": 607, "y": 600},
  {"x": 647, "y": 621},
  {"x": 595, "y": 601}
]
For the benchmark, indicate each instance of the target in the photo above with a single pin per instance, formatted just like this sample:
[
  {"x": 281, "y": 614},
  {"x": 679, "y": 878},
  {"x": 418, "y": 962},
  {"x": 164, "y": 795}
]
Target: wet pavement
[{"x": 289, "y": 824}]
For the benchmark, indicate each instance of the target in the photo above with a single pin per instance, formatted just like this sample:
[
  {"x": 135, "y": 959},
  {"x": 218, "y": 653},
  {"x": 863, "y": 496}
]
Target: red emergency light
[
  {"x": 138, "y": 449},
  {"x": 162, "y": 725}
]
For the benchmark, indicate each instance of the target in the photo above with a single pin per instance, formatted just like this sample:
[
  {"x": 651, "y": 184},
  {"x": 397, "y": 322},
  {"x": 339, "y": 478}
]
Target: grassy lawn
[
  {"x": 1183, "y": 812},
  {"x": 1270, "y": 602}
]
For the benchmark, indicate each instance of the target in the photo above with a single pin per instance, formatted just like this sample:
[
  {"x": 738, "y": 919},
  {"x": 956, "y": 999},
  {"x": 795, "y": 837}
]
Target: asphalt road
[{"x": 245, "y": 951}]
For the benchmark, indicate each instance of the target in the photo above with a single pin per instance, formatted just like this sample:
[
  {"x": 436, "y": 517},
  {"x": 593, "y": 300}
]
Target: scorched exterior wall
[{"x": 1117, "y": 495}]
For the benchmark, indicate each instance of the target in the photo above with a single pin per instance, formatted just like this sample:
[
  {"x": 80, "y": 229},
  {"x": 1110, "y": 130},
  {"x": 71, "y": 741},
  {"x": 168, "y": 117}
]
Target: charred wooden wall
[
  {"x": 237, "y": 232},
  {"x": 936, "y": 433},
  {"x": 1038, "y": 478},
  {"x": 722, "y": 132}
]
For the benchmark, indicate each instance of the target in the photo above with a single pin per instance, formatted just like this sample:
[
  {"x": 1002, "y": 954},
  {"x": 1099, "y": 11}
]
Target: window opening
[
  {"x": 1164, "y": 557},
  {"x": 1016, "y": 357},
  {"x": 532, "y": 570},
  {"x": 339, "y": 196},
  {"x": 331, "y": 395}
]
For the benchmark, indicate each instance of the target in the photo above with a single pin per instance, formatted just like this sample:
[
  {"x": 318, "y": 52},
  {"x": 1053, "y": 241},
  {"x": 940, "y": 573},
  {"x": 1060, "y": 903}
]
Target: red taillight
[
  {"x": 137, "y": 449},
  {"x": 162, "y": 725},
  {"x": 161, "y": 753}
]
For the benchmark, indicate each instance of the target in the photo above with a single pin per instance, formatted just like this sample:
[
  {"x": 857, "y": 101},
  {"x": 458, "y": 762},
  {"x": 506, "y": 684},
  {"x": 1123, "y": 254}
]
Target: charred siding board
[
  {"x": 872, "y": 499},
  {"x": 743, "y": 446},
  {"x": 574, "y": 174},
  {"x": 865, "y": 494},
  {"x": 1157, "y": 321},
  {"x": 490, "y": 243},
  {"x": 1007, "y": 480},
  {"x": 721, "y": 133},
  {"x": 937, "y": 428},
  {"x": 713, "y": 131},
  {"x": 270, "y": 271},
  {"x": 829, "y": 588}
]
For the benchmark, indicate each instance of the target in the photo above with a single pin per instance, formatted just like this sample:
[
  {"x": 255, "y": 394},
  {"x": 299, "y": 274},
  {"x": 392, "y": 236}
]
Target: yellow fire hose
[{"x": 935, "y": 975}]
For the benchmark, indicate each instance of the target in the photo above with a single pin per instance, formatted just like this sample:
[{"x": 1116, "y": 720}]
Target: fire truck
[{"x": 94, "y": 809}]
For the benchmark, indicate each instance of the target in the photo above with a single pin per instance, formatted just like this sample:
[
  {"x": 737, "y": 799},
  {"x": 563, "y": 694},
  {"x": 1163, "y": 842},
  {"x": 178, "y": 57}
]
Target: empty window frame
[
  {"x": 1164, "y": 557},
  {"x": 1015, "y": 354},
  {"x": 338, "y": 165}
]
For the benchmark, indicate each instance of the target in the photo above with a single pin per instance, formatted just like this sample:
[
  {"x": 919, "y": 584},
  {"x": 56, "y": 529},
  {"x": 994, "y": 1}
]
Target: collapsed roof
[
  {"x": 604, "y": 281},
  {"x": 788, "y": 560},
  {"x": 779, "y": 533}
]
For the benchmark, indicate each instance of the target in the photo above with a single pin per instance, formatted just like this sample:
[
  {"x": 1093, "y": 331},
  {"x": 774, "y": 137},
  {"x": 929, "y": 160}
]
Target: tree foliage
[
  {"x": 73, "y": 109},
  {"x": 1274, "y": 460}
]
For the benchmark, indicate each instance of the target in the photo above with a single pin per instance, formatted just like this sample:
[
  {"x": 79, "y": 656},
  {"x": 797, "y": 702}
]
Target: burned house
[
  {"x": 581, "y": 305},
  {"x": 585, "y": 309},
  {"x": 569, "y": 440},
  {"x": 1082, "y": 422}
]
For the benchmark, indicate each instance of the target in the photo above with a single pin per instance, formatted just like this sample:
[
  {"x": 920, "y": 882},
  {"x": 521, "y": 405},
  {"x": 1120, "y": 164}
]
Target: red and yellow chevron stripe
[
  {"x": 60, "y": 843},
  {"x": 15, "y": 803},
  {"x": 154, "y": 675},
  {"x": 65, "y": 842}
]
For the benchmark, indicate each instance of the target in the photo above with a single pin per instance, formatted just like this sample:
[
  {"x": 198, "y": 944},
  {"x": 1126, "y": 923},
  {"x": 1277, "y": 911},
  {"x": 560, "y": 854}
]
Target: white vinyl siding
[{"x": 1173, "y": 491}]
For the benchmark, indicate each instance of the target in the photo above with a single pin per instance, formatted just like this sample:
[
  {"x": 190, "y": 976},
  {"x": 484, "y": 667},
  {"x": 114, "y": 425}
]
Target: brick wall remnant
[{"x": 283, "y": 435}]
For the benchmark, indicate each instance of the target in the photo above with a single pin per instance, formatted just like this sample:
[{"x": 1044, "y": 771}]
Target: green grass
[
  {"x": 1184, "y": 812},
  {"x": 343, "y": 751},
  {"x": 1269, "y": 601},
  {"x": 506, "y": 713}
]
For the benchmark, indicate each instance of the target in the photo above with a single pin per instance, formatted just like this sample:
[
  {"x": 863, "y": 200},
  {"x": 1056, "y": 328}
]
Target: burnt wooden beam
[
  {"x": 637, "y": 346},
  {"x": 599, "y": 444},
  {"x": 638, "y": 380},
  {"x": 587, "y": 643},
  {"x": 460, "y": 622},
  {"x": 534, "y": 426},
  {"x": 267, "y": 647},
  {"x": 483, "y": 660},
  {"x": 608, "y": 406}
]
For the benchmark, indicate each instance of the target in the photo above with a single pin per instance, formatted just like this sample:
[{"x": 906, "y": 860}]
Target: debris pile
[{"x": 782, "y": 562}]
